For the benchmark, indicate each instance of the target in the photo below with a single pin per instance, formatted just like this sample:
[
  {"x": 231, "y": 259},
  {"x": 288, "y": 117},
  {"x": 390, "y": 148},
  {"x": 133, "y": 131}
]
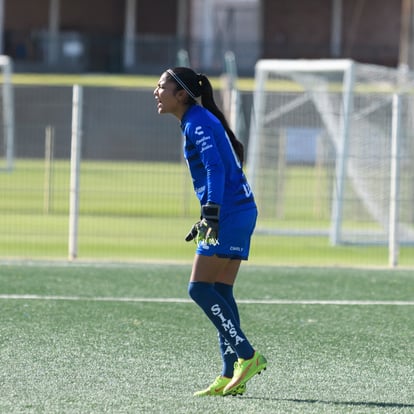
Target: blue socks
[
  {"x": 228, "y": 354},
  {"x": 219, "y": 305},
  {"x": 226, "y": 291}
]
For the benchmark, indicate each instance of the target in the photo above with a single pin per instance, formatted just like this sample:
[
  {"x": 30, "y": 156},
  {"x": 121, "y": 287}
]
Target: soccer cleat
[
  {"x": 217, "y": 387},
  {"x": 244, "y": 369}
]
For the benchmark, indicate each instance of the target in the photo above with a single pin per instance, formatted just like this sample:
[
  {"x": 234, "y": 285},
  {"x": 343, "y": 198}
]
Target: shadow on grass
[{"x": 368, "y": 404}]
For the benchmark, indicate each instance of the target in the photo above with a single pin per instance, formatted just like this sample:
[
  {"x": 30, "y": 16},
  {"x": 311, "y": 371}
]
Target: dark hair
[{"x": 198, "y": 85}]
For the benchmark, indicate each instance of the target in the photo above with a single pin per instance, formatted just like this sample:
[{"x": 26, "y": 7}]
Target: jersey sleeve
[{"x": 203, "y": 139}]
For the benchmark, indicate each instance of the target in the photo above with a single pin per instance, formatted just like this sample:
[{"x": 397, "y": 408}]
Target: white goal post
[
  {"x": 346, "y": 109},
  {"x": 7, "y": 115}
]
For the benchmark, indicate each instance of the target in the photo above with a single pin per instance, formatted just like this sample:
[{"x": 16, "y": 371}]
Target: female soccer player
[{"x": 228, "y": 217}]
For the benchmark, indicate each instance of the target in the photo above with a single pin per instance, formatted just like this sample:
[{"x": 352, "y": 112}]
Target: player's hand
[
  {"x": 192, "y": 233},
  {"x": 207, "y": 229},
  {"x": 207, "y": 232}
]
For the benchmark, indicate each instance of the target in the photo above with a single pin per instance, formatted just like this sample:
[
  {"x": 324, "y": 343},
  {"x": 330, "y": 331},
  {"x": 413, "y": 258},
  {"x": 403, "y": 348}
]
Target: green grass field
[
  {"x": 114, "y": 338},
  {"x": 141, "y": 211}
]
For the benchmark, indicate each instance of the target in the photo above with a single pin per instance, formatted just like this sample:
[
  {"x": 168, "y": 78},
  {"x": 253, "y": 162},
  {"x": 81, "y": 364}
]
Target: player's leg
[
  {"x": 243, "y": 369},
  {"x": 205, "y": 272},
  {"x": 211, "y": 288},
  {"x": 202, "y": 289},
  {"x": 224, "y": 286}
]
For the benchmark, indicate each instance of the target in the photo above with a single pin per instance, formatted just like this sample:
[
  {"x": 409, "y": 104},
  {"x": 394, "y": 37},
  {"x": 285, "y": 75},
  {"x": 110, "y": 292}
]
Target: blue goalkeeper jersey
[{"x": 214, "y": 167}]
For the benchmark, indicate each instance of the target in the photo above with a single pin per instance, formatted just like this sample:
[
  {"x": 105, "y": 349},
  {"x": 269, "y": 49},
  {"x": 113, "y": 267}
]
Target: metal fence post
[{"x": 75, "y": 158}]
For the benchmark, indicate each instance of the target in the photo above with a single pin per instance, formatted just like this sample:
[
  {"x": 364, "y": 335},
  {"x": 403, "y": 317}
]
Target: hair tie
[{"x": 200, "y": 78}]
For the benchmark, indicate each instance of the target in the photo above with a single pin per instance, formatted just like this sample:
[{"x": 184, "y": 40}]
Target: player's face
[{"x": 166, "y": 95}]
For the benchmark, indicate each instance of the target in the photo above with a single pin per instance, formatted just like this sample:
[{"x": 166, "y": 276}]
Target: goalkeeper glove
[
  {"x": 192, "y": 233},
  {"x": 206, "y": 230}
]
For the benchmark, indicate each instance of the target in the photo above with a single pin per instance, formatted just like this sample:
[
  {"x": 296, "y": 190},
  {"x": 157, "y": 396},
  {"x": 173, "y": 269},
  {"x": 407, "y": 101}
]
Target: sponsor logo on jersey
[
  {"x": 205, "y": 148},
  {"x": 202, "y": 140}
]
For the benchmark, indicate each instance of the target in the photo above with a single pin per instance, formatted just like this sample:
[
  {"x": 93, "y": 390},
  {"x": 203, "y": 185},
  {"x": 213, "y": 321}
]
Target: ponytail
[{"x": 207, "y": 100}]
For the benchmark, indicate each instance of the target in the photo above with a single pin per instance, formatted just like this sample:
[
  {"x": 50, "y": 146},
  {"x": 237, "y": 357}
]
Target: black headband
[{"x": 181, "y": 83}]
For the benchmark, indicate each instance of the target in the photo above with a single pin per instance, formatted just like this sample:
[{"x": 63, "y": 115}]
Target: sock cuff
[
  {"x": 223, "y": 287},
  {"x": 199, "y": 285},
  {"x": 196, "y": 289}
]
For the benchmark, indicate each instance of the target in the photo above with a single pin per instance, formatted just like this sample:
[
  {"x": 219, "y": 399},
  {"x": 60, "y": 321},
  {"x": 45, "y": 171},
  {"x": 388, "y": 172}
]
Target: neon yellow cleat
[
  {"x": 244, "y": 369},
  {"x": 217, "y": 387}
]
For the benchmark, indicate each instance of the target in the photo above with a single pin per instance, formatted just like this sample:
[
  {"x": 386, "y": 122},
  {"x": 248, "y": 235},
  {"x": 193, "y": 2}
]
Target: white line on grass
[{"x": 182, "y": 300}]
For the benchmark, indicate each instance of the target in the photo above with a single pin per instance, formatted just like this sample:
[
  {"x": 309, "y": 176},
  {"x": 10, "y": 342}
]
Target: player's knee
[{"x": 198, "y": 290}]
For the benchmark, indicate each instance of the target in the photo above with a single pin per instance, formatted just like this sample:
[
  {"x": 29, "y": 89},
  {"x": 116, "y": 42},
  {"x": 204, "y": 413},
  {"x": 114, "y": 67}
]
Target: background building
[{"x": 143, "y": 35}]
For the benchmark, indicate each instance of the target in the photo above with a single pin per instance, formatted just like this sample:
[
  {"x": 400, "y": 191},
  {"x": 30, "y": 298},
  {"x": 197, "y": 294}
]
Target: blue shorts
[{"x": 235, "y": 232}]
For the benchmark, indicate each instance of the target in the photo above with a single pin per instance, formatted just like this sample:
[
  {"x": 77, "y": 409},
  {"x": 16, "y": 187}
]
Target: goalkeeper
[{"x": 228, "y": 217}]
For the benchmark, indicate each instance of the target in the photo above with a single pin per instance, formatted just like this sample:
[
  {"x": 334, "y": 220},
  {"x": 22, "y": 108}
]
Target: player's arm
[{"x": 207, "y": 228}]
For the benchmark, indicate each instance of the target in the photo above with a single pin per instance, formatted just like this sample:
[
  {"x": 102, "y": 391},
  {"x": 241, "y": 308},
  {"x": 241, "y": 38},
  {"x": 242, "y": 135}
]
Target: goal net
[
  {"x": 6, "y": 115},
  {"x": 320, "y": 157}
]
